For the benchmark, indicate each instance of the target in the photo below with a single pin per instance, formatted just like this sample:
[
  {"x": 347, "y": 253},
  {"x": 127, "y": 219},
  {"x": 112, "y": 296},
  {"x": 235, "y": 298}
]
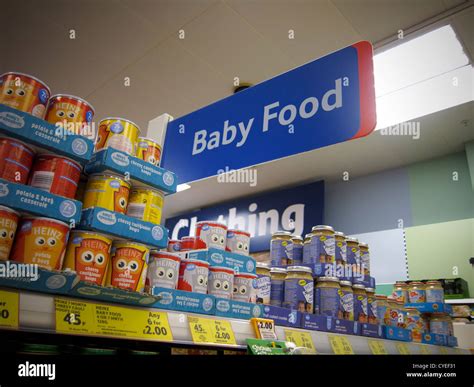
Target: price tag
[
  {"x": 402, "y": 348},
  {"x": 204, "y": 330},
  {"x": 377, "y": 347},
  {"x": 340, "y": 345},
  {"x": 74, "y": 317},
  {"x": 9, "y": 307},
  {"x": 264, "y": 328},
  {"x": 443, "y": 351},
  {"x": 301, "y": 339},
  {"x": 425, "y": 350}
]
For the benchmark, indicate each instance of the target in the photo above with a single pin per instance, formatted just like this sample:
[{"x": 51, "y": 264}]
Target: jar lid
[
  {"x": 381, "y": 296},
  {"x": 321, "y": 227},
  {"x": 370, "y": 290},
  {"x": 328, "y": 279},
  {"x": 354, "y": 240},
  {"x": 339, "y": 233},
  {"x": 433, "y": 282},
  {"x": 358, "y": 286},
  {"x": 402, "y": 284},
  {"x": 416, "y": 283},
  {"x": 363, "y": 244},
  {"x": 278, "y": 270},
  {"x": 304, "y": 269},
  {"x": 346, "y": 283},
  {"x": 391, "y": 299},
  {"x": 297, "y": 237},
  {"x": 308, "y": 236},
  {"x": 263, "y": 265},
  {"x": 281, "y": 233}
]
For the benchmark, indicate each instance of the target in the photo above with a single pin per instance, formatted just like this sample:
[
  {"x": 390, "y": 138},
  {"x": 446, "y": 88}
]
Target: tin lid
[
  {"x": 353, "y": 240},
  {"x": 187, "y": 238},
  {"x": 8, "y": 209},
  {"x": 126, "y": 241},
  {"x": 120, "y": 119},
  {"x": 149, "y": 139},
  {"x": 297, "y": 238},
  {"x": 45, "y": 218},
  {"x": 281, "y": 233},
  {"x": 304, "y": 269},
  {"x": 143, "y": 187},
  {"x": 72, "y": 97},
  {"x": 19, "y": 142},
  {"x": 322, "y": 227},
  {"x": 28, "y": 76},
  {"x": 246, "y": 275},
  {"x": 278, "y": 270},
  {"x": 346, "y": 283},
  {"x": 370, "y": 290},
  {"x": 237, "y": 231},
  {"x": 222, "y": 268},
  {"x": 165, "y": 254},
  {"x": 340, "y": 234},
  {"x": 110, "y": 175},
  {"x": 211, "y": 222},
  {"x": 89, "y": 232},
  {"x": 358, "y": 286},
  {"x": 328, "y": 279}
]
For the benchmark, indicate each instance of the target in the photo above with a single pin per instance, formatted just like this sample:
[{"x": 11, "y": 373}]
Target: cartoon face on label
[
  {"x": 149, "y": 153},
  {"x": 193, "y": 277},
  {"x": 91, "y": 259},
  {"x": 163, "y": 273},
  {"x": 121, "y": 199},
  {"x": 63, "y": 112},
  {"x": 213, "y": 236},
  {"x": 8, "y": 225},
  {"x": 244, "y": 289},
  {"x": 221, "y": 284},
  {"x": 102, "y": 136},
  {"x": 14, "y": 92},
  {"x": 128, "y": 267},
  {"x": 238, "y": 243}
]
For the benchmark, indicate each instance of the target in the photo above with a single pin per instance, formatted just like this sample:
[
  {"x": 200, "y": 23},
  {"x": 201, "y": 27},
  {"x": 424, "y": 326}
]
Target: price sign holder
[
  {"x": 264, "y": 328},
  {"x": 204, "y": 330},
  {"x": 340, "y": 345},
  {"x": 377, "y": 347},
  {"x": 301, "y": 339},
  {"x": 9, "y": 309},
  {"x": 425, "y": 350},
  {"x": 402, "y": 348}
]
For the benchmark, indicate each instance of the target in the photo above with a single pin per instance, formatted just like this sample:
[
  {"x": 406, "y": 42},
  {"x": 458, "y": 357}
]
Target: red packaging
[
  {"x": 174, "y": 245},
  {"x": 55, "y": 174},
  {"x": 17, "y": 159},
  {"x": 214, "y": 234},
  {"x": 191, "y": 243}
]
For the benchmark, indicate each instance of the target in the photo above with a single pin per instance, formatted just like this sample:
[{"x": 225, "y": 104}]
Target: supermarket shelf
[
  {"x": 37, "y": 314},
  {"x": 460, "y": 301}
]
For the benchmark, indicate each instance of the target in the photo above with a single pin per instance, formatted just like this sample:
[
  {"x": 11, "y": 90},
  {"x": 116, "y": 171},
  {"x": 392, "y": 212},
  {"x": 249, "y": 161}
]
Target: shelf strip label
[
  {"x": 204, "y": 330},
  {"x": 301, "y": 339},
  {"x": 340, "y": 345},
  {"x": 9, "y": 307}
]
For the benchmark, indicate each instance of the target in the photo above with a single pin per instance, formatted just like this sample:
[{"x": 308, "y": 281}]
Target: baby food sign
[{"x": 323, "y": 102}]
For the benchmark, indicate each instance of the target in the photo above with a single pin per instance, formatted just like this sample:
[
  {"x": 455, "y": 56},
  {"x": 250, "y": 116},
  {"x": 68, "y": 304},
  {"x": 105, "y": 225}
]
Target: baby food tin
[
  {"x": 327, "y": 302},
  {"x": 372, "y": 317},
  {"x": 107, "y": 191},
  {"x": 263, "y": 283},
  {"x": 24, "y": 92},
  {"x": 163, "y": 270},
  {"x": 213, "y": 234},
  {"x": 191, "y": 243},
  {"x": 17, "y": 158},
  {"x": 145, "y": 204},
  {"x": 238, "y": 241},
  {"x": 73, "y": 113},
  {"x": 280, "y": 246},
  {"x": 174, "y": 245},
  {"x": 434, "y": 291},
  {"x": 129, "y": 265},
  {"x": 277, "y": 286},
  {"x": 299, "y": 289},
  {"x": 323, "y": 245},
  {"x": 149, "y": 150},
  {"x": 360, "y": 303},
  {"x": 8, "y": 225},
  {"x": 245, "y": 287},
  {"x": 193, "y": 276},
  {"x": 353, "y": 255},
  {"x": 383, "y": 311},
  {"x": 416, "y": 292},
  {"x": 415, "y": 323},
  {"x": 40, "y": 241},
  {"x": 364, "y": 257},
  {"x": 346, "y": 301},
  {"x": 400, "y": 292},
  {"x": 221, "y": 282},
  {"x": 296, "y": 250},
  {"x": 117, "y": 133},
  {"x": 340, "y": 248},
  {"x": 56, "y": 174},
  {"x": 88, "y": 254}
]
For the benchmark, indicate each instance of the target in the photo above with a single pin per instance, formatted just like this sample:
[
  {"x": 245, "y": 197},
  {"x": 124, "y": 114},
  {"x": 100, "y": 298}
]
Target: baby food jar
[
  {"x": 327, "y": 297},
  {"x": 277, "y": 292},
  {"x": 364, "y": 257},
  {"x": 306, "y": 248},
  {"x": 414, "y": 322},
  {"x": 393, "y": 312},
  {"x": 346, "y": 301},
  {"x": 263, "y": 283},
  {"x": 323, "y": 244},
  {"x": 353, "y": 255},
  {"x": 340, "y": 248},
  {"x": 434, "y": 292},
  {"x": 360, "y": 303},
  {"x": 299, "y": 288},
  {"x": 402, "y": 314},
  {"x": 371, "y": 306},
  {"x": 383, "y": 310},
  {"x": 296, "y": 256},
  {"x": 440, "y": 323},
  {"x": 400, "y": 292},
  {"x": 416, "y": 292},
  {"x": 280, "y": 248}
]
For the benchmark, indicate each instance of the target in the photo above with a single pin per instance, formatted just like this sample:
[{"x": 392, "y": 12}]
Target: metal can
[
  {"x": 372, "y": 317},
  {"x": 299, "y": 289},
  {"x": 8, "y": 225},
  {"x": 416, "y": 292},
  {"x": 40, "y": 241},
  {"x": 129, "y": 265},
  {"x": 117, "y": 133},
  {"x": 146, "y": 204},
  {"x": 221, "y": 282},
  {"x": 238, "y": 241},
  {"x": 263, "y": 283},
  {"x": 188, "y": 243},
  {"x": 193, "y": 276},
  {"x": 24, "y": 92},
  {"x": 17, "y": 158},
  {"x": 400, "y": 292},
  {"x": 277, "y": 286},
  {"x": 214, "y": 234},
  {"x": 88, "y": 254},
  {"x": 323, "y": 245},
  {"x": 364, "y": 257},
  {"x": 346, "y": 301},
  {"x": 56, "y": 174},
  {"x": 245, "y": 287},
  {"x": 327, "y": 302},
  {"x": 361, "y": 312},
  {"x": 163, "y": 270},
  {"x": 110, "y": 192},
  {"x": 434, "y": 292},
  {"x": 296, "y": 250},
  {"x": 280, "y": 248},
  {"x": 353, "y": 256},
  {"x": 149, "y": 150},
  {"x": 71, "y": 113},
  {"x": 340, "y": 253},
  {"x": 174, "y": 245}
]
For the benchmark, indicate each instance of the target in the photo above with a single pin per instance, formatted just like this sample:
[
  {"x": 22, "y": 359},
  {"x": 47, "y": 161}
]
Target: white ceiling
[{"x": 223, "y": 39}]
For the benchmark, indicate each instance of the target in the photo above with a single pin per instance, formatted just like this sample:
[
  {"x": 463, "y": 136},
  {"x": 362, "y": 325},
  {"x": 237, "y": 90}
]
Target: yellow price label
[
  {"x": 264, "y": 328},
  {"x": 301, "y": 339},
  {"x": 377, "y": 347},
  {"x": 74, "y": 317},
  {"x": 9, "y": 307},
  {"x": 204, "y": 330},
  {"x": 402, "y": 348},
  {"x": 340, "y": 345},
  {"x": 425, "y": 350},
  {"x": 443, "y": 350}
]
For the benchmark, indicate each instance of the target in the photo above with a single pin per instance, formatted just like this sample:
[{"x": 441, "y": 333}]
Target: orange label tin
[
  {"x": 8, "y": 224},
  {"x": 57, "y": 175},
  {"x": 88, "y": 254},
  {"x": 17, "y": 159},
  {"x": 24, "y": 92},
  {"x": 107, "y": 191},
  {"x": 40, "y": 241},
  {"x": 117, "y": 133},
  {"x": 149, "y": 150},
  {"x": 129, "y": 266}
]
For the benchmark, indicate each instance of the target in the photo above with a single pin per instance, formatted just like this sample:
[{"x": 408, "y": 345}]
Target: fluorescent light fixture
[
  {"x": 421, "y": 76},
  {"x": 182, "y": 187}
]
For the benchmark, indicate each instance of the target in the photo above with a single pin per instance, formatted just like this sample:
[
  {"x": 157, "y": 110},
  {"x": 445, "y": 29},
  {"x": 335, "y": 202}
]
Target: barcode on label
[
  {"x": 42, "y": 180},
  {"x": 136, "y": 210}
]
